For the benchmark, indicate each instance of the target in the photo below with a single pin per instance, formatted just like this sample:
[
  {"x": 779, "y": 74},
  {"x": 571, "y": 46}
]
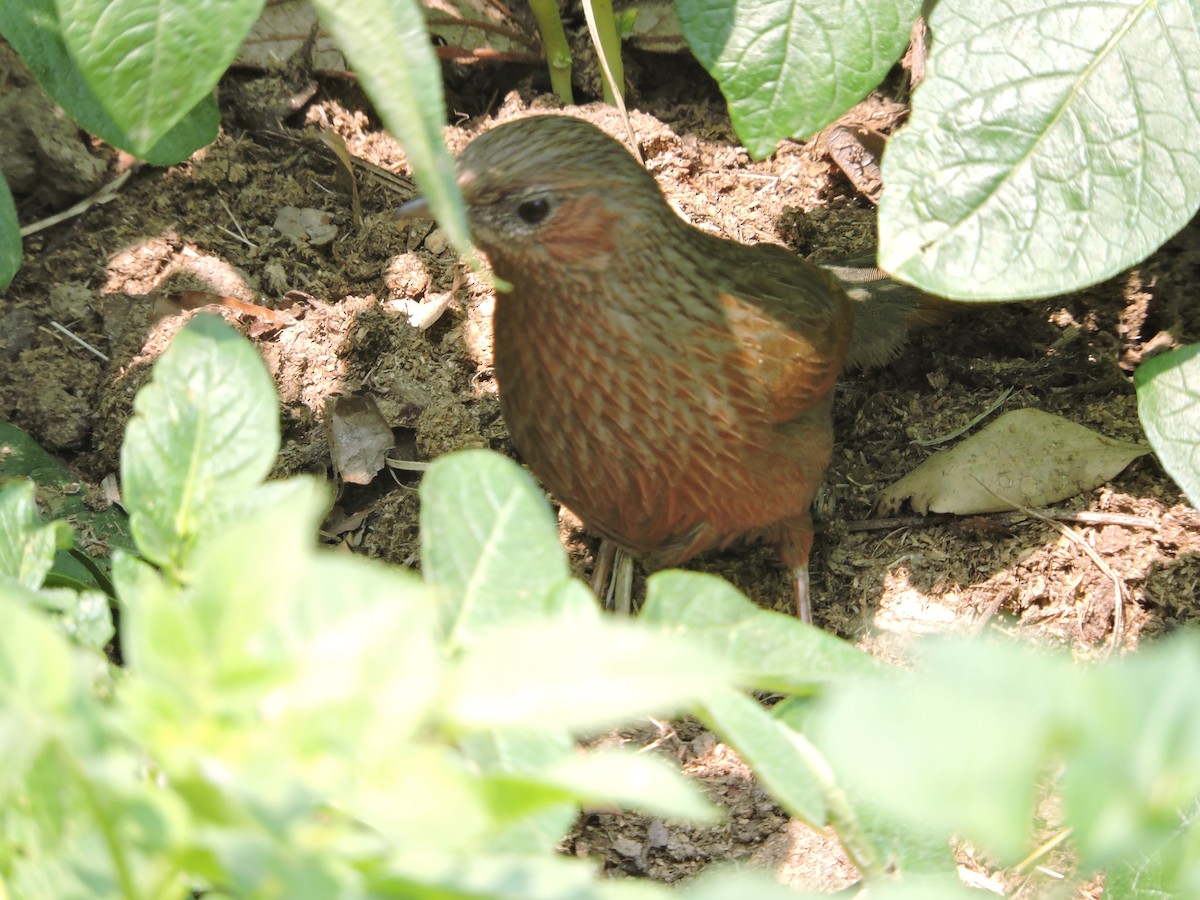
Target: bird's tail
[{"x": 886, "y": 312}]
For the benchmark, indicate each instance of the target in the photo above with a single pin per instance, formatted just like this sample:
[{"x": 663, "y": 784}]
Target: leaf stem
[{"x": 558, "y": 53}]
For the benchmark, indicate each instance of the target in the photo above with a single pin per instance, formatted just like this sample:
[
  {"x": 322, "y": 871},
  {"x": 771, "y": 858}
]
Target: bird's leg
[
  {"x": 795, "y": 543},
  {"x": 612, "y": 577},
  {"x": 800, "y": 588},
  {"x": 621, "y": 591},
  {"x": 605, "y": 554}
]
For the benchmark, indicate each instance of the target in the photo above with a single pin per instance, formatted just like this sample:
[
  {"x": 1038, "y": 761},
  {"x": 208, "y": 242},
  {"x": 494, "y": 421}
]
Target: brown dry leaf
[
  {"x": 858, "y": 150},
  {"x": 345, "y": 175},
  {"x": 1026, "y": 456},
  {"x": 360, "y": 438}
]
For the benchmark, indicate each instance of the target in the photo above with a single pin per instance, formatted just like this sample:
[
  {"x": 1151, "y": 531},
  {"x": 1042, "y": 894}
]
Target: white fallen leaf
[{"x": 1028, "y": 457}]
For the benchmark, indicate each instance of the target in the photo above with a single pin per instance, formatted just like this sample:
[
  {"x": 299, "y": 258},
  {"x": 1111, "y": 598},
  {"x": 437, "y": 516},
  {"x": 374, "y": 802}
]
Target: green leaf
[
  {"x": 34, "y": 30},
  {"x": 10, "y": 237},
  {"x": 603, "y": 778},
  {"x": 1171, "y": 871},
  {"x": 83, "y": 615},
  {"x": 577, "y": 674},
  {"x": 148, "y": 63},
  {"x": 634, "y": 781},
  {"x": 1133, "y": 754},
  {"x": 26, "y": 548},
  {"x": 63, "y": 496},
  {"x": 533, "y": 818},
  {"x": 37, "y": 683},
  {"x": 790, "y": 67},
  {"x": 771, "y": 651},
  {"x": 1168, "y": 392},
  {"x": 494, "y": 877},
  {"x": 205, "y": 431},
  {"x": 960, "y": 745},
  {"x": 388, "y": 46},
  {"x": 769, "y": 748},
  {"x": 1050, "y": 147},
  {"x": 490, "y": 545}
]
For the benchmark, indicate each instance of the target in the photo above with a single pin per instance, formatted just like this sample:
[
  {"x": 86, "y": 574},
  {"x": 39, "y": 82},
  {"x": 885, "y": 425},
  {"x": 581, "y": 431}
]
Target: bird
[{"x": 672, "y": 387}]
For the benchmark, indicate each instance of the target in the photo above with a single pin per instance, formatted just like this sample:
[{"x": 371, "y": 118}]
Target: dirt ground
[{"x": 115, "y": 277}]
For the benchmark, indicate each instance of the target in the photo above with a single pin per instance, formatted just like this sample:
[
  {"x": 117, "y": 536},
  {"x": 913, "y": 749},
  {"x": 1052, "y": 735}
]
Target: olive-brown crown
[{"x": 552, "y": 179}]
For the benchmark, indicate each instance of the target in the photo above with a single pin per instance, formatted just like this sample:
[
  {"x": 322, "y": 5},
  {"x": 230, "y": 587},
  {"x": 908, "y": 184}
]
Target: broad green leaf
[
  {"x": 388, "y": 46},
  {"x": 366, "y": 644},
  {"x": 83, "y": 615},
  {"x": 1133, "y": 755},
  {"x": 37, "y": 683},
  {"x": 893, "y": 841},
  {"x": 489, "y": 544},
  {"x": 149, "y": 63},
  {"x": 603, "y": 778},
  {"x": 64, "y": 496},
  {"x": 634, "y": 781},
  {"x": 539, "y": 816},
  {"x": 577, "y": 674},
  {"x": 33, "y": 28},
  {"x": 1168, "y": 391},
  {"x": 725, "y": 884},
  {"x": 783, "y": 762},
  {"x": 427, "y": 800},
  {"x": 205, "y": 431},
  {"x": 1172, "y": 871},
  {"x": 790, "y": 67},
  {"x": 508, "y": 877},
  {"x": 27, "y": 547},
  {"x": 771, "y": 651},
  {"x": 10, "y": 236},
  {"x": 252, "y": 862},
  {"x": 1050, "y": 146},
  {"x": 958, "y": 746}
]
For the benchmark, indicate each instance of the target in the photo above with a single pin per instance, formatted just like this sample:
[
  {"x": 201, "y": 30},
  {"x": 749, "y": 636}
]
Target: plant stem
[
  {"x": 554, "y": 39},
  {"x": 604, "y": 34}
]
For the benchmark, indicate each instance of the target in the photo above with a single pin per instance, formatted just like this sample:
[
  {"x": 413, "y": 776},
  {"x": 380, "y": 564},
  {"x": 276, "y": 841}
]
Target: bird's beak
[{"x": 417, "y": 208}]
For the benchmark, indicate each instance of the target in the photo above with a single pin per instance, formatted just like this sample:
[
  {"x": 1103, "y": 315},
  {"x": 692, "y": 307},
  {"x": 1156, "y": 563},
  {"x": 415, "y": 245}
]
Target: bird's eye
[{"x": 534, "y": 212}]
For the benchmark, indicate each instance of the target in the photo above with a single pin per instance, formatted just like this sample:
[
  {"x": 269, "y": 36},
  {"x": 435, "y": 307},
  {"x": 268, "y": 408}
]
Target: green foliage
[
  {"x": 386, "y": 42},
  {"x": 1168, "y": 390},
  {"x": 790, "y": 67},
  {"x": 976, "y": 736},
  {"x": 10, "y": 236},
  {"x": 140, "y": 75},
  {"x": 291, "y": 722},
  {"x": 30, "y": 552},
  {"x": 150, "y": 63},
  {"x": 1049, "y": 147},
  {"x": 96, "y": 97},
  {"x": 202, "y": 438}
]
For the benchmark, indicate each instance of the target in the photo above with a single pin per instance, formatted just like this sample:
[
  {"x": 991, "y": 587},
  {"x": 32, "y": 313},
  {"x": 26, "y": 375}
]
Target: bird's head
[{"x": 554, "y": 190}]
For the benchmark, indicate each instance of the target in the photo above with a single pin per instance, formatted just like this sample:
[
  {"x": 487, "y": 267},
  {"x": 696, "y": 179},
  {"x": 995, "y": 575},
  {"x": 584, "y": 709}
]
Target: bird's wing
[{"x": 790, "y": 324}]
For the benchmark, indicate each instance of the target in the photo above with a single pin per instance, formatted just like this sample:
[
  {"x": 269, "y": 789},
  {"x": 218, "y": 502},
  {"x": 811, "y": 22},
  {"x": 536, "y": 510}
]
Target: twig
[
  {"x": 1073, "y": 535},
  {"x": 77, "y": 339},
  {"x": 455, "y": 22},
  {"x": 406, "y": 465},
  {"x": 1081, "y": 517},
  {"x": 1041, "y": 851},
  {"x": 478, "y": 54},
  {"x": 930, "y": 442},
  {"x": 241, "y": 235},
  {"x": 105, "y": 194}
]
